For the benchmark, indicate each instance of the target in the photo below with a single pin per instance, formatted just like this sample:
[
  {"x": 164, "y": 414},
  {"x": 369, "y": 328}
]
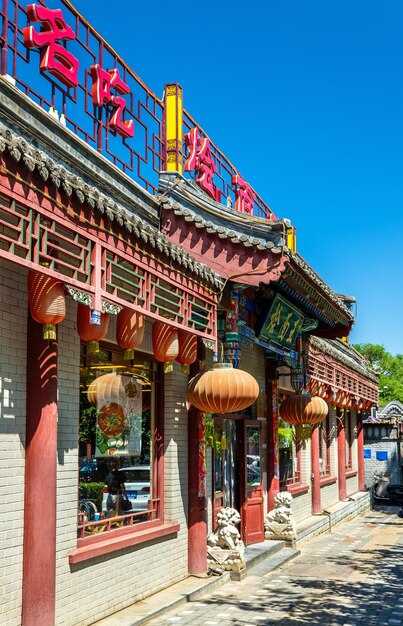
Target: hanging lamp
[
  {"x": 222, "y": 389},
  {"x": 187, "y": 349},
  {"x": 92, "y": 333},
  {"x": 106, "y": 388},
  {"x": 130, "y": 327},
  {"x": 47, "y": 302},
  {"x": 165, "y": 344},
  {"x": 303, "y": 409}
]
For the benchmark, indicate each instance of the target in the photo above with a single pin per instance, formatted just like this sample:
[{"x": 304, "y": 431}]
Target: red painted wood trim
[
  {"x": 351, "y": 473},
  {"x": 106, "y": 546},
  {"x": 273, "y": 478},
  {"x": 39, "y": 558},
  {"x": 360, "y": 453},
  {"x": 327, "y": 480},
  {"x": 197, "y": 506},
  {"x": 341, "y": 457},
  {"x": 297, "y": 489},
  {"x": 316, "y": 503}
]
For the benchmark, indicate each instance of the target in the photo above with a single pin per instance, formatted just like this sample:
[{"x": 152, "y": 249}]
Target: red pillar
[
  {"x": 273, "y": 469},
  {"x": 360, "y": 453},
  {"x": 197, "y": 518},
  {"x": 197, "y": 532},
  {"x": 316, "y": 503},
  {"x": 39, "y": 560},
  {"x": 341, "y": 456}
]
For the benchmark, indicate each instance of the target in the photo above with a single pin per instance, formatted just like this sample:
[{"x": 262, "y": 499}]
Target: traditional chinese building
[{"x": 131, "y": 250}]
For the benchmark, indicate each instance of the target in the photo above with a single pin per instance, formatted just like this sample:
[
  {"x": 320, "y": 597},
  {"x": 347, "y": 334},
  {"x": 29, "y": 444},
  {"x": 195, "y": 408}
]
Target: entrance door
[{"x": 251, "y": 483}]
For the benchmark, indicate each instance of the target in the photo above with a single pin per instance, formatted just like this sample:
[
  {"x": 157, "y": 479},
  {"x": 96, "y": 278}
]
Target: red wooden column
[
  {"x": 39, "y": 560},
  {"x": 273, "y": 469},
  {"x": 341, "y": 456},
  {"x": 197, "y": 518},
  {"x": 360, "y": 453},
  {"x": 316, "y": 503}
]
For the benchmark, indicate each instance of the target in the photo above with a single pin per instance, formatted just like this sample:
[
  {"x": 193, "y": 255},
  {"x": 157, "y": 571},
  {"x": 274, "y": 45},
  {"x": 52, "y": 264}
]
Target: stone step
[{"x": 273, "y": 562}]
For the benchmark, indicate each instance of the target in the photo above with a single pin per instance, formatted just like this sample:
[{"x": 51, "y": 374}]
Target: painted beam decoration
[
  {"x": 84, "y": 84},
  {"x": 282, "y": 324}
]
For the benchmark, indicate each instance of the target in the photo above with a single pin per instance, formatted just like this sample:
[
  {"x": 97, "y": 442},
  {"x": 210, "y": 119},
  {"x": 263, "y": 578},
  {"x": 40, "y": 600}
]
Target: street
[{"x": 350, "y": 576}]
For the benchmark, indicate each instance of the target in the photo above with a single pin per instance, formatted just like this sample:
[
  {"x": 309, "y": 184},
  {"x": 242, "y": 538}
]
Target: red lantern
[
  {"x": 130, "y": 328},
  {"x": 187, "y": 348},
  {"x": 47, "y": 303},
  {"x": 303, "y": 409},
  {"x": 91, "y": 332},
  {"x": 343, "y": 400},
  {"x": 165, "y": 342},
  {"x": 222, "y": 389}
]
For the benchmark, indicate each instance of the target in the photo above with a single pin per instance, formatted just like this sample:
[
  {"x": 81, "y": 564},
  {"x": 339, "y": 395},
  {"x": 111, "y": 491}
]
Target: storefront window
[
  {"x": 324, "y": 447},
  {"x": 289, "y": 455},
  {"x": 253, "y": 469},
  {"x": 117, "y": 422}
]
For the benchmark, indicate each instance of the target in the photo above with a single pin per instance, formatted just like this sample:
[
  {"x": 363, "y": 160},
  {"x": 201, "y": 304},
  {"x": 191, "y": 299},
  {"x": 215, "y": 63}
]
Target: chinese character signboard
[
  {"x": 282, "y": 324},
  {"x": 55, "y": 57}
]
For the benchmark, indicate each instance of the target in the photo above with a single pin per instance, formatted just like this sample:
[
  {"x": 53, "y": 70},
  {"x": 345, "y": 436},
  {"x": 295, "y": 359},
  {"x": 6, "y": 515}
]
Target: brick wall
[
  {"x": 13, "y": 335},
  {"x": 96, "y": 588}
]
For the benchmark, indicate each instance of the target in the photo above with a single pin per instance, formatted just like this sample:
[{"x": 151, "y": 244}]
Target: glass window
[
  {"x": 324, "y": 447},
  {"x": 289, "y": 455},
  {"x": 253, "y": 470},
  {"x": 117, "y": 421}
]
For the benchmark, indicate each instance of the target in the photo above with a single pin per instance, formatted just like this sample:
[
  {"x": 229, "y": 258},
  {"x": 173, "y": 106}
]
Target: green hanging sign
[{"x": 282, "y": 324}]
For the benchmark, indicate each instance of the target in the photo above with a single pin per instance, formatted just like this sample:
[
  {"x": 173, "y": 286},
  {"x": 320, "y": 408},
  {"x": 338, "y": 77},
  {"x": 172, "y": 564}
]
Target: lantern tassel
[
  {"x": 93, "y": 347},
  {"x": 49, "y": 332},
  {"x": 185, "y": 369},
  {"x": 168, "y": 367},
  {"x": 128, "y": 355}
]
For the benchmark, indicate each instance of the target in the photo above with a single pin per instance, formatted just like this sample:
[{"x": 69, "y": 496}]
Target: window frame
[
  {"x": 324, "y": 438},
  {"x": 134, "y": 533}
]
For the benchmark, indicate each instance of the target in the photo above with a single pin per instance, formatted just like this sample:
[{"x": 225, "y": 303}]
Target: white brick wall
[
  {"x": 97, "y": 588},
  {"x": 13, "y": 334}
]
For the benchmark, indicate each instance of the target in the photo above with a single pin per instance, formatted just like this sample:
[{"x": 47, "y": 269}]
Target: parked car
[{"x": 137, "y": 485}]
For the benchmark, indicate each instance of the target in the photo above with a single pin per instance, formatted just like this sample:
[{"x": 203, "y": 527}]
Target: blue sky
[{"x": 305, "y": 97}]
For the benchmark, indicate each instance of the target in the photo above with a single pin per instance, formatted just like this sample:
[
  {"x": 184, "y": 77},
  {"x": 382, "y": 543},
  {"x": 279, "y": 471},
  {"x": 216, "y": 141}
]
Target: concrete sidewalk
[
  {"x": 350, "y": 577},
  {"x": 191, "y": 589}
]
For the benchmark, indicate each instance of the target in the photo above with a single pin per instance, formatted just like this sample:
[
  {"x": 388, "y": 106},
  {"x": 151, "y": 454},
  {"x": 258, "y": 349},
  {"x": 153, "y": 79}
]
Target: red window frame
[{"x": 132, "y": 532}]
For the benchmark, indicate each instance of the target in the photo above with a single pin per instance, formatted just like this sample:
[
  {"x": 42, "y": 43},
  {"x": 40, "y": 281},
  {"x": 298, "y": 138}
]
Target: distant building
[{"x": 383, "y": 443}]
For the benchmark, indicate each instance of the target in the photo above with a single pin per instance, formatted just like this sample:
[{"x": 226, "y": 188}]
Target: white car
[{"x": 137, "y": 485}]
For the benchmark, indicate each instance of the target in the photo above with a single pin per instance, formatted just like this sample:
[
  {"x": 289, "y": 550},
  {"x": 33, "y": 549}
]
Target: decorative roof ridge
[
  {"x": 345, "y": 354},
  {"x": 222, "y": 232},
  {"x": 300, "y": 261},
  {"x": 50, "y": 170},
  {"x": 183, "y": 196}
]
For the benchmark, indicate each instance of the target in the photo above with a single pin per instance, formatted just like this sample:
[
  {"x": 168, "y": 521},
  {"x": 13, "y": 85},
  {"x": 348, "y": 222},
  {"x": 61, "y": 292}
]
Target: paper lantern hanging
[
  {"x": 343, "y": 400},
  {"x": 303, "y": 409},
  {"x": 92, "y": 333},
  {"x": 47, "y": 302},
  {"x": 222, "y": 389},
  {"x": 130, "y": 327},
  {"x": 187, "y": 349},
  {"x": 106, "y": 388},
  {"x": 165, "y": 343}
]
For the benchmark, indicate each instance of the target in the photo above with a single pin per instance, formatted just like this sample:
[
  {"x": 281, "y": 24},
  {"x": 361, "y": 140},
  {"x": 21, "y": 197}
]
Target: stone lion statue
[
  {"x": 226, "y": 535},
  {"x": 279, "y": 523}
]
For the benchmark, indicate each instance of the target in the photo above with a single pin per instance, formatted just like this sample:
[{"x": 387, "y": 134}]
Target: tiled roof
[
  {"x": 73, "y": 185},
  {"x": 344, "y": 353}
]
